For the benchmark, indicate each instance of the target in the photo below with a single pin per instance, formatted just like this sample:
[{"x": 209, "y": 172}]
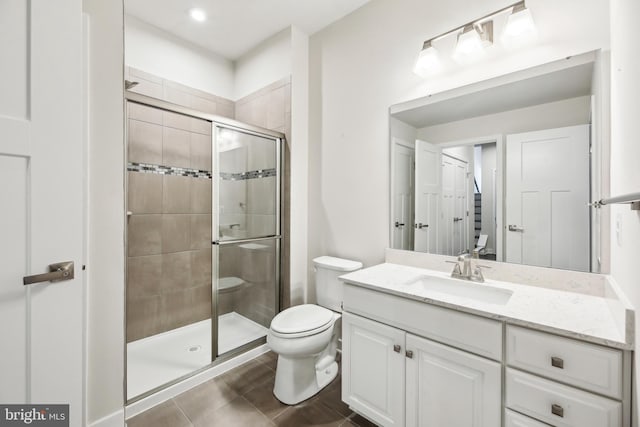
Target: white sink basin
[{"x": 459, "y": 288}]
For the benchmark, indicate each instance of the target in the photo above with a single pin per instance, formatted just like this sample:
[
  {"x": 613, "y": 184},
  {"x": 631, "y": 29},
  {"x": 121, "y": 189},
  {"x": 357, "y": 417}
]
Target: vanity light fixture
[
  {"x": 473, "y": 36},
  {"x": 198, "y": 14}
]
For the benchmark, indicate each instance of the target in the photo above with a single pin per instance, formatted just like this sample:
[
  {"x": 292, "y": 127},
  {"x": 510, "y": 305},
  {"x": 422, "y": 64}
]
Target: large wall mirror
[{"x": 506, "y": 167}]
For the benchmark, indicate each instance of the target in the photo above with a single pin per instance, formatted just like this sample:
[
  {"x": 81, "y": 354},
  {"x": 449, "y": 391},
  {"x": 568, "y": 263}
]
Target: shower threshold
[{"x": 162, "y": 358}]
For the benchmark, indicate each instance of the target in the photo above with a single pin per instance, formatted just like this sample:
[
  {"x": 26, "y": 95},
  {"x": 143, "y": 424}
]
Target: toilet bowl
[{"x": 306, "y": 337}]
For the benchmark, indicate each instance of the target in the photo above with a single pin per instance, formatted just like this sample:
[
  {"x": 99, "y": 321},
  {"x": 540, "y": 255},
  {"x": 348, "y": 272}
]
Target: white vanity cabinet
[
  {"x": 412, "y": 363},
  {"x": 396, "y": 378}
]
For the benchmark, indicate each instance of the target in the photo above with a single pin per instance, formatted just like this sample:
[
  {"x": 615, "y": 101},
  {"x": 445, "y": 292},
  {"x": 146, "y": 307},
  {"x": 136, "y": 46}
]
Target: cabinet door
[
  {"x": 449, "y": 387},
  {"x": 373, "y": 377}
]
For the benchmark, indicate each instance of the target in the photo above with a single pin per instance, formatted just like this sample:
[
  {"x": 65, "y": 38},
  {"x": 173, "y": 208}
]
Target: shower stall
[{"x": 203, "y": 240}]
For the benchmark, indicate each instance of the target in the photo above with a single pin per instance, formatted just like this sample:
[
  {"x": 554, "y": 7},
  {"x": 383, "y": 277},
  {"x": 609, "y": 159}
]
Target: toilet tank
[{"x": 328, "y": 286}]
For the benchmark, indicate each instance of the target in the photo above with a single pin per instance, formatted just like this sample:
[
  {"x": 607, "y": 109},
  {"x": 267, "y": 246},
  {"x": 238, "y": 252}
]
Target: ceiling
[{"x": 234, "y": 27}]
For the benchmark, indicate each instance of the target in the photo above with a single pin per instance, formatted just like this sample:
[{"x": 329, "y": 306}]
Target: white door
[
  {"x": 41, "y": 214},
  {"x": 403, "y": 192},
  {"x": 373, "y": 376},
  {"x": 449, "y": 387},
  {"x": 454, "y": 206},
  {"x": 428, "y": 193},
  {"x": 461, "y": 219},
  {"x": 547, "y": 191}
]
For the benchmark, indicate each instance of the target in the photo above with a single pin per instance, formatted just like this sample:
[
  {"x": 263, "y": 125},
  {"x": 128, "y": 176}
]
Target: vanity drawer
[
  {"x": 587, "y": 366},
  {"x": 558, "y": 404},
  {"x": 514, "y": 419},
  {"x": 467, "y": 332}
]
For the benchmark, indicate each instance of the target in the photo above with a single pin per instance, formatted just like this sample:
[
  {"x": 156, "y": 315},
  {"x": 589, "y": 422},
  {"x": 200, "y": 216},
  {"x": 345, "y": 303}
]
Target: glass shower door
[{"x": 246, "y": 258}]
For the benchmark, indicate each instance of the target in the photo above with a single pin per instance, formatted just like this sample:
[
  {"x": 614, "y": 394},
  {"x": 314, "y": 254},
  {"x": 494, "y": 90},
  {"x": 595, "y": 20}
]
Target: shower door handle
[{"x": 57, "y": 272}]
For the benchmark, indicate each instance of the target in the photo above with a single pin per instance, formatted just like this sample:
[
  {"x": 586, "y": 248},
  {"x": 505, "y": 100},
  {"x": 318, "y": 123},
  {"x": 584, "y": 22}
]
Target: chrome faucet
[{"x": 466, "y": 269}]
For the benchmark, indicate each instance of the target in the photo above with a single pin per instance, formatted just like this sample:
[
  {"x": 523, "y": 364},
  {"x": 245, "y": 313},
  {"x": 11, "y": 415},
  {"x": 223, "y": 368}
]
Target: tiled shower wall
[
  {"x": 176, "y": 93},
  {"x": 169, "y": 229},
  {"x": 160, "y": 296},
  {"x": 247, "y": 190},
  {"x": 270, "y": 107}
]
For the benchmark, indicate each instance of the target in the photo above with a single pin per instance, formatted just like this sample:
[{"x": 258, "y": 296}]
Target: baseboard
[
  {"x": 163, "y": 395},
  {"x": 113, "y": 420}
]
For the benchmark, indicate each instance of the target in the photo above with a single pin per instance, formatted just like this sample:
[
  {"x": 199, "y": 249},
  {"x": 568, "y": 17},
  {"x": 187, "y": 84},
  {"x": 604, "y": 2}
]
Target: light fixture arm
[{"x": 515, "y": 7}]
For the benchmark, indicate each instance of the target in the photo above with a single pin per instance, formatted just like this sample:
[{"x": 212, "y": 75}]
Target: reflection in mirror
[{"x": 505, "y": 169}]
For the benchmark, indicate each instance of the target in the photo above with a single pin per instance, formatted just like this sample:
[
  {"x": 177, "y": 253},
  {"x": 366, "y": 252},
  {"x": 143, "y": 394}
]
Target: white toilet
[{"x": 305, "y": 337}]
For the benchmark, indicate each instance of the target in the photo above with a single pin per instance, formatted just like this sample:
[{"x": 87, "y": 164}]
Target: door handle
[
  {"x": 420, "y": 226},
  {"x": 399, "y": 224},
  {"x": 57, "y": 272},
  {"x": 456, "y": 219},
  {"x": 513, "y": 227}
]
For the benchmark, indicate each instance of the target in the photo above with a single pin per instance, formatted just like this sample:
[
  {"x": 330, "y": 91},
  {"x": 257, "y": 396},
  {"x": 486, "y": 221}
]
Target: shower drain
[{"x": 194, "y": 348}]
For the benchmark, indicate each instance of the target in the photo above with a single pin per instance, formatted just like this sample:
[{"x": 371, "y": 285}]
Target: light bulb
[
  {"x": 198, "y": 15},
  {"x": 469, "y": 41},
  {"x": 519, "y": 22},
  {"x": 428, "y": 59}
]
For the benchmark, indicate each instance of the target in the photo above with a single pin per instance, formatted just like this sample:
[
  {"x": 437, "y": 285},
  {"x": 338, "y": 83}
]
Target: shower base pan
[{"x": 159, "y": 359}]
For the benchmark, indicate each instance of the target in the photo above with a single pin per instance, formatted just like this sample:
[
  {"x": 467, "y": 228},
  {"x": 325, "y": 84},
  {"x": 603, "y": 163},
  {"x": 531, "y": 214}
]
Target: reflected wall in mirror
[{"x": 506, "y": 168}]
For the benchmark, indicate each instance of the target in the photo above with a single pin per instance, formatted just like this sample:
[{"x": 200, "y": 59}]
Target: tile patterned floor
[{"x": 243, "y": 397}]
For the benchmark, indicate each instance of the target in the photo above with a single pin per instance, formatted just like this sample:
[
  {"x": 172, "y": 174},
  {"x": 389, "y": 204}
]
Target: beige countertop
[{"x": 605, "y": 320}]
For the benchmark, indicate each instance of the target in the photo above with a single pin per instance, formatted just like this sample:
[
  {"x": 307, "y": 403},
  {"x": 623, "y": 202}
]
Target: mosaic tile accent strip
[
  {"x": 167, "y": 170},
  {"x": 260, "y": 173},
  {"x": 196, "y": 173}
]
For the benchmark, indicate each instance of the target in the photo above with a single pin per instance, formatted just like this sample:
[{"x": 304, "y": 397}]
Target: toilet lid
[{"x": 301, "y": 318}]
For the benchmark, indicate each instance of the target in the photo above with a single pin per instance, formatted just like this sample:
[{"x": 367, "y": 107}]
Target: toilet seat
[{"x": 302, "y": 320}]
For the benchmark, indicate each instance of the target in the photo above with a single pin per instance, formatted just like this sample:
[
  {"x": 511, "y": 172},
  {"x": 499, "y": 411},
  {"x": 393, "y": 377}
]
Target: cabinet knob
[
  {"x": 396, "y": 348},
  {"x": 557, "y": 410},
  {"x": 557, "y": 362},
  {"x": 409, "y": 354}
]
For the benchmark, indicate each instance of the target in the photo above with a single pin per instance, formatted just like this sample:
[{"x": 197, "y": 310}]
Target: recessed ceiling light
[{"x": 198, "y": 15}]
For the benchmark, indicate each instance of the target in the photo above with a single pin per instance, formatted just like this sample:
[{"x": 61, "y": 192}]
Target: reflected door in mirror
[
  {"x": 428, "y": 196},
  {"x": 547, "y": 193},
  {"x": 403, "y": 189},
  {"x": 455, "y": 185}
]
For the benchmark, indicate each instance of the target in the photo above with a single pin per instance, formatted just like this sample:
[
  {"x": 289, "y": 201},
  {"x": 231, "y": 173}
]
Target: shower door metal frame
[
  {"x": 234, "y": 125},
  {"x": 215, "y": 208}
]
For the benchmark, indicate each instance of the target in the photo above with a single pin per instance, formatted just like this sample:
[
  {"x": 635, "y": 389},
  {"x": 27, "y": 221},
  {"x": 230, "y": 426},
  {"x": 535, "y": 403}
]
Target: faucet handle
[
  {"x": 476, "y": 274},
  {"x": 457, "y": 272}
]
